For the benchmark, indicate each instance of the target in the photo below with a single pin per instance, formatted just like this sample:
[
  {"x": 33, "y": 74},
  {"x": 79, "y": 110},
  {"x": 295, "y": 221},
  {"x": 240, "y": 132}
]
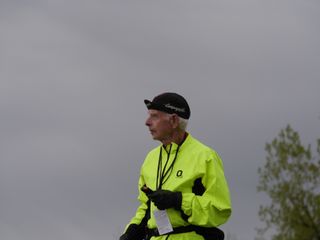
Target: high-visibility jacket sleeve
[
  {"x": 141, "y": 210},
  {"x": 213, "y": 208}
]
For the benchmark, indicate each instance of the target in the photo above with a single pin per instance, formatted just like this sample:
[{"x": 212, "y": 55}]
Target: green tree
[{"x": 291, "y": 178}]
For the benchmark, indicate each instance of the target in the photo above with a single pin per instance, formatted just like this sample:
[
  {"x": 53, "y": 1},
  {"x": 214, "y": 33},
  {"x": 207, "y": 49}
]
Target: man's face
[{"x": 160, "y": 125}]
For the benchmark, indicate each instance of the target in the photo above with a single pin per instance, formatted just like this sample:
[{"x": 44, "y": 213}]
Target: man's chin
[{"x": 154, "y": 137}]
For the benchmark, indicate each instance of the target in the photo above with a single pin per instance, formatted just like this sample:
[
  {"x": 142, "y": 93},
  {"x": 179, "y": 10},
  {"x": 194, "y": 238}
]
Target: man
[{"x": 182, "y": 188}]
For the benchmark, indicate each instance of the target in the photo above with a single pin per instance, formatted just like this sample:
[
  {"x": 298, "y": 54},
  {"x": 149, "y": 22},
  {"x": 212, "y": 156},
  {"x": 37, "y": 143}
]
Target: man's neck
[{"x": 177, "y": 137}]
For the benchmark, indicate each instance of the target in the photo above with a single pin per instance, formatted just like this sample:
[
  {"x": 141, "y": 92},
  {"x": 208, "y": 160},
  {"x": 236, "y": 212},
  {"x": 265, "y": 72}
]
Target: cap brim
[
  {"x": 147, "y": 103},
  {"x": 155, "y": 106}
]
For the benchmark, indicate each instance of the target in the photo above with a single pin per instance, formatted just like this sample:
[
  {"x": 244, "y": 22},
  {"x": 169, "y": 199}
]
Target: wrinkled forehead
[{"x": 154, "y": 112}]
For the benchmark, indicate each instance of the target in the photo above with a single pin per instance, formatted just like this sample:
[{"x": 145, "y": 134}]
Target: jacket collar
[{"x": 175, "y": 146}]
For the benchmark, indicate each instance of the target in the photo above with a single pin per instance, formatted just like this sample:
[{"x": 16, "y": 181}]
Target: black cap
[{"x": 170, "y": 103}]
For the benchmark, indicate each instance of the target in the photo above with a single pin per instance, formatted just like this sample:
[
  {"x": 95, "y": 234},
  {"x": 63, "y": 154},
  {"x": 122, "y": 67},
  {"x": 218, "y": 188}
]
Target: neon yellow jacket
[{"x": 194, "y": 161}]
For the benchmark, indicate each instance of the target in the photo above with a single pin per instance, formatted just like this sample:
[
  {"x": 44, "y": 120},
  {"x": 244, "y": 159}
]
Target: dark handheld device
[{"x": 146, "y": 190}]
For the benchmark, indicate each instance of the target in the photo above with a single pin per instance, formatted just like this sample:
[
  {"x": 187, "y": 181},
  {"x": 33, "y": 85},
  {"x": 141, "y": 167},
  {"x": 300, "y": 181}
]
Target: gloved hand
[
  {"x": 164, "y": 199},
  {"x": 124, "y": 236},
  {"x": 133, "y": 232}
]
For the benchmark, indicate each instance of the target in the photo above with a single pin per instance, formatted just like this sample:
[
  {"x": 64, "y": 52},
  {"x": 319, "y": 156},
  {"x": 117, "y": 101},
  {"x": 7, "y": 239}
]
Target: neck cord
[{"x": 163, "y": 174}]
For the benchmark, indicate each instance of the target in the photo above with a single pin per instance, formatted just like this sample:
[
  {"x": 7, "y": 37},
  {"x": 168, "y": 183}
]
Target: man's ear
[{"x": 175, "y": 120}]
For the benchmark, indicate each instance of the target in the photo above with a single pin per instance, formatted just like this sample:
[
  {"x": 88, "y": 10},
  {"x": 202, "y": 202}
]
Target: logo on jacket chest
[{"x": 179, "y": 174}]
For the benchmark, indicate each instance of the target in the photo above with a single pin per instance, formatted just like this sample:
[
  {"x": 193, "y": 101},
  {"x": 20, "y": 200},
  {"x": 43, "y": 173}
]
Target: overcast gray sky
[{"x": 73, "y": 76}]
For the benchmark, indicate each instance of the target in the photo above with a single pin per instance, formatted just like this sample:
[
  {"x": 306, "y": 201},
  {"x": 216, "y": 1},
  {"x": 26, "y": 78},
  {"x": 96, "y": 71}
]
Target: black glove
[
  {"x": 133, "y": 232},
  {"x": 124, "y": 236},
  {"x": 164, "y": 199}
]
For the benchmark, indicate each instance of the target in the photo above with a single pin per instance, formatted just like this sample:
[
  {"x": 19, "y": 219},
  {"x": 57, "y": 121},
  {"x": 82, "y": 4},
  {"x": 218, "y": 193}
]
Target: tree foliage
[{"x": 291, "y": 178}]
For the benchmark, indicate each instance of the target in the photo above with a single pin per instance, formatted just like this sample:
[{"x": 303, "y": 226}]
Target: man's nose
[{"x": 147, "y": 123}]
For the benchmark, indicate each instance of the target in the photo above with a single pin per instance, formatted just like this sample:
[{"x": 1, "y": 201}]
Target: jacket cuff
[{"x": 186, "y": 203}]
